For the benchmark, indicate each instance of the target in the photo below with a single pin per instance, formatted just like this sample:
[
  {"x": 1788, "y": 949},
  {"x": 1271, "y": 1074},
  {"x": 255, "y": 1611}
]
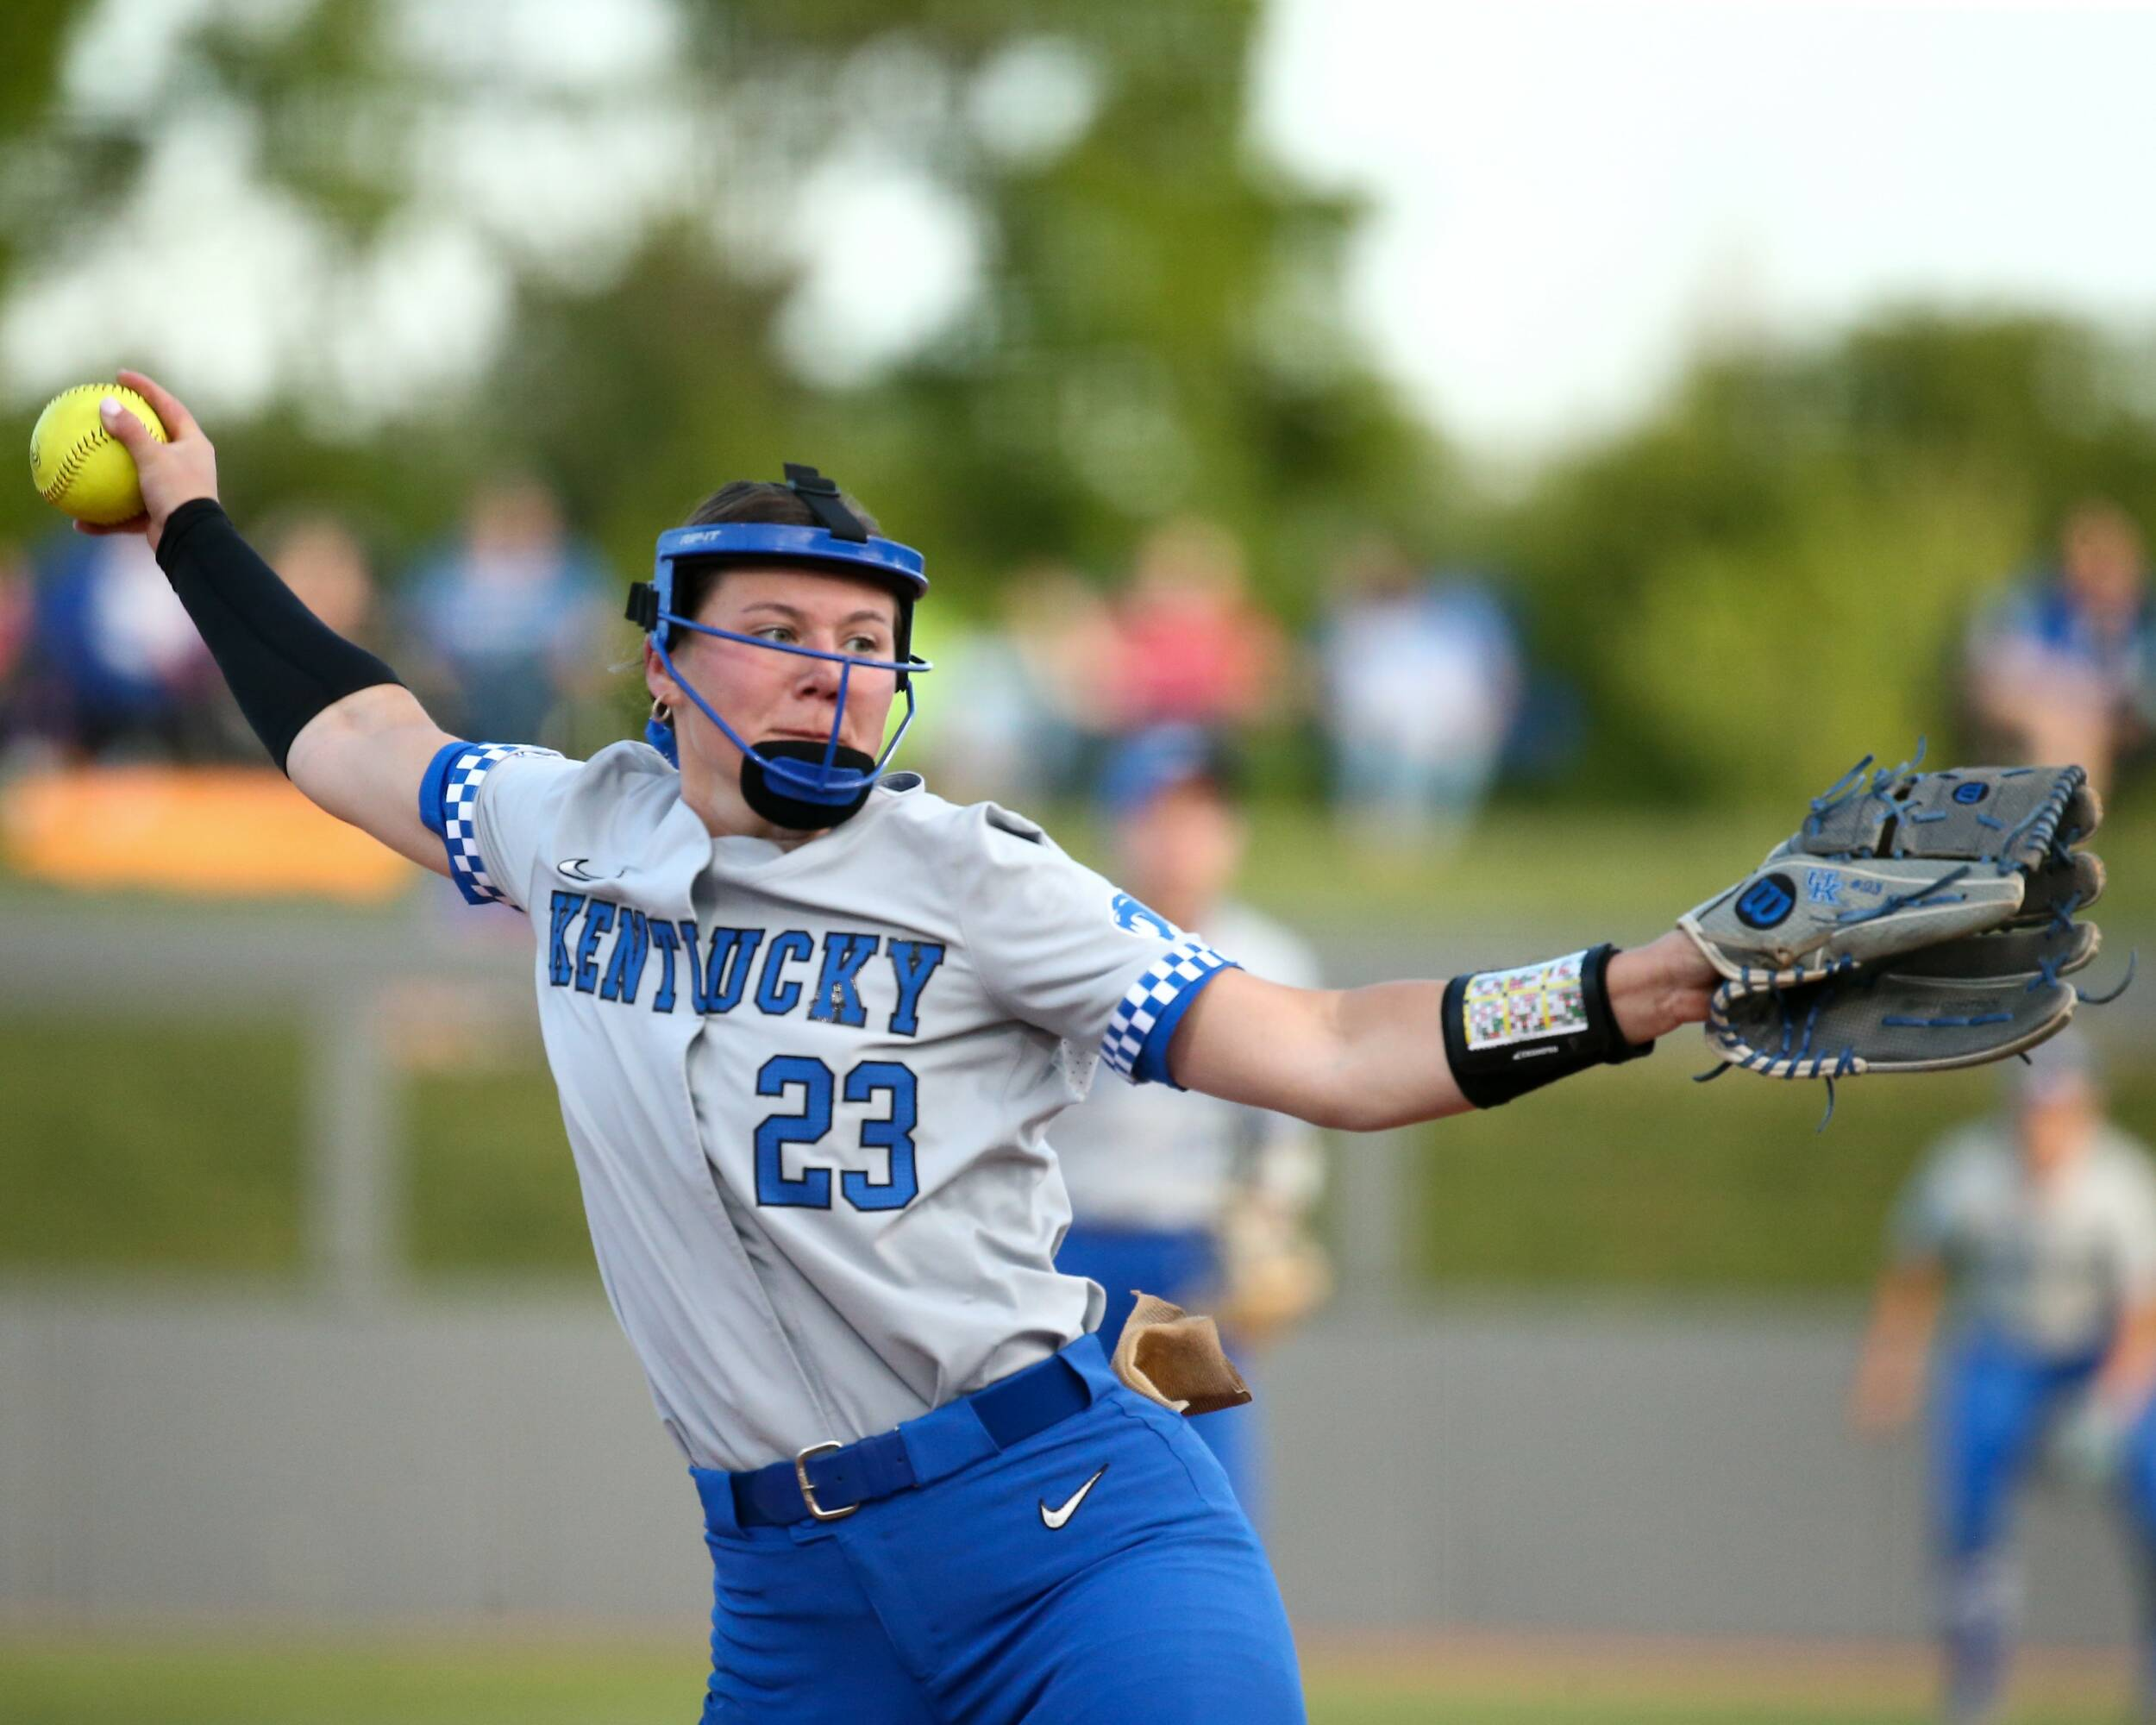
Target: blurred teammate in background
[
  {"x": 2043, "y": 1224},
  {"x": 1200, "y": 1201},
  {"x": 2064, "y": 668}
]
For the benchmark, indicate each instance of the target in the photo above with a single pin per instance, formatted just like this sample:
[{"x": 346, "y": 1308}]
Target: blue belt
[{"x": 828, "y": 1482}]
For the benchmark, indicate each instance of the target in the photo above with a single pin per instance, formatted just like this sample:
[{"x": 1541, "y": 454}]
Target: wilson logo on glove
[{"x": 1768, "y": 902}]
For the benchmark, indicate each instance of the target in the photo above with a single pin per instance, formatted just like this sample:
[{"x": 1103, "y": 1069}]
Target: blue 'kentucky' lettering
[
  {"x": 777, "y": 993},
  {"x": 598, "y": 917},
  {"x": 667, "y": 940},
  {"x": 566, "y": 905},
  {"x": 719, "y": 963},
  {"x": 837, "y": 995},
  {"x": 625, "y": 970},
  {"x": 913, "y": 963},
  {"x": 718, "y": 984}
]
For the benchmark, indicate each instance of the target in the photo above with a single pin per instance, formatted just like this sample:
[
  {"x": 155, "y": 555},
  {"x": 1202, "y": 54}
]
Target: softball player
[
  {"x": 810, "y": 1024},
  {"x": 2045, "y": 1225},
  {"x": 1197, "y": 1200}
]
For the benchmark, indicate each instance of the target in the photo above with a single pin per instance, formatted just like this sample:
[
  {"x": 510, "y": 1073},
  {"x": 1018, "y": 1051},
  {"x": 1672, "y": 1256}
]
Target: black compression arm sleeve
[{"x": 284, "y": 665}]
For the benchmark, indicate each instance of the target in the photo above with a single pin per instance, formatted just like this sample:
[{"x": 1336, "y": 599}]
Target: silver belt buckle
[{"x": 808, "y": 1492}]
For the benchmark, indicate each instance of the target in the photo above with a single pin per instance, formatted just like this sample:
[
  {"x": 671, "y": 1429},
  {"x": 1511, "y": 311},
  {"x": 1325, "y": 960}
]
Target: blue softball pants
[
  {"x": 958, "y": 1601},
  {"x": 1997, "y": 1400}
]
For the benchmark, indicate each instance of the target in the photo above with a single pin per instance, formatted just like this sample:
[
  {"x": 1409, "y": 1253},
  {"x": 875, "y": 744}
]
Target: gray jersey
[
  {"x": 2047, "y": 1264},
  {"x": 808, "y": 1087},
  {"x": 1149, "y": 1157}
]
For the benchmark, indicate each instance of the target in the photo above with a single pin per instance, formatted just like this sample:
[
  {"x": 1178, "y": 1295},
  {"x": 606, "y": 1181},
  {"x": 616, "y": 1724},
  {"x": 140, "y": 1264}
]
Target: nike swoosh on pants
[{"x": 1056, "y": 1518}]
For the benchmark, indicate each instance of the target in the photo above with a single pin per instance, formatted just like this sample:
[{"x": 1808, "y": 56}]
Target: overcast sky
[{"x": 1566, "y": 194}]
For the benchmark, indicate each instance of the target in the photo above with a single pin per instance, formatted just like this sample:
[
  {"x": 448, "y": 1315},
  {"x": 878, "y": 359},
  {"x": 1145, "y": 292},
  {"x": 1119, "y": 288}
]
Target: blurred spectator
[
  {"x": 1007, "y": 712},
  {"x": 117, "y": 670},
  {"x": 17, "y": 614},
  {"x": 1191, "y": 646},
  {"x": 325, "y": 565},
  {"x": 511, "y": 614},
  {"x": 2042, "y": 1225},
  {"x": 2064, "y": 668},
  {"x": 1421, "y": 687}
]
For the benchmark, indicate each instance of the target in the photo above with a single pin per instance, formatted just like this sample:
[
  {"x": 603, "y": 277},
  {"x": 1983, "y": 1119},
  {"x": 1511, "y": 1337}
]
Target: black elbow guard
[
  {"x": 284, "y": 664},
  {"x": 1510, "y": 1032}
]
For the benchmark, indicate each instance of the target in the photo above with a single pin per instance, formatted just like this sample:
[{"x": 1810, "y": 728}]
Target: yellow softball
[{"x": 79, "y": 466}]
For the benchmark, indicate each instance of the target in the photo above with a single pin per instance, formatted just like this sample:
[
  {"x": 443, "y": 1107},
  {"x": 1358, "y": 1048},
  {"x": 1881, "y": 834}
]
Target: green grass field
[
  {"x": 164, "y": 1680},
  {"x": 183, "y": 1159},
  {"x": 150, "y": 1140}
]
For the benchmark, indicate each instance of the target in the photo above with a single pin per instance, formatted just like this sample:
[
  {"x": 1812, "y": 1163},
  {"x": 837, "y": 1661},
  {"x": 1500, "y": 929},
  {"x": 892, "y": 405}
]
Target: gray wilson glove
[{"x": 1917, "y": 921}]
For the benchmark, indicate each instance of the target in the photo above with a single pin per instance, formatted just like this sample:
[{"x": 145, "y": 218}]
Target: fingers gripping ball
[{"x": 79, "y": 466}]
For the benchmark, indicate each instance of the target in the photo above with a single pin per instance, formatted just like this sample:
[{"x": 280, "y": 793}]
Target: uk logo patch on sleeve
[{"x": 1134, "y": 916}]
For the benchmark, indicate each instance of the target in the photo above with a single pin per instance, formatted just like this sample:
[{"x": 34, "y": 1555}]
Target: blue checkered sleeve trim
[
  {"x": 449, "y": 802},
  {"x": 1136, "y": 1044}
]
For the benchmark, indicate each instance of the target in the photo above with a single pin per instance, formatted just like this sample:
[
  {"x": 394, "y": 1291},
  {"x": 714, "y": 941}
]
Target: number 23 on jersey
[{"x": 868, "y": 1081}]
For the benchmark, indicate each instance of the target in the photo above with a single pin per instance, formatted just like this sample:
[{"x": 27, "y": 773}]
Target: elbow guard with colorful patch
[{"x": 1510, "y": 1032}]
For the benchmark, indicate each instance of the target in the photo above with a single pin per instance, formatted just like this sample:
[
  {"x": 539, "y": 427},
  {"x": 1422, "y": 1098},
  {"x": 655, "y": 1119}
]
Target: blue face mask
[{"x": 790, "y": 782}]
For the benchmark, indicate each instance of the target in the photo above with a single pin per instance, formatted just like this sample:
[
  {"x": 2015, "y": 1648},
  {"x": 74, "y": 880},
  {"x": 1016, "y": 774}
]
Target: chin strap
[
  {"x": 770, "y": 800},
  {"x": 774, "y": 762}
]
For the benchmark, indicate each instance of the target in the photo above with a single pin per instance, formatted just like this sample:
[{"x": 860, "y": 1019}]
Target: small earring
[{"x": 658, "y": 732}]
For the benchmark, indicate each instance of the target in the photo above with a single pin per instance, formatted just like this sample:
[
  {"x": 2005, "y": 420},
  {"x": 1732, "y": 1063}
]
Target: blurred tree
[
  {"x": 47, "y": 163},
  {"x": 1013, "y": 272},
  {"x": 1770, "y": 575}
]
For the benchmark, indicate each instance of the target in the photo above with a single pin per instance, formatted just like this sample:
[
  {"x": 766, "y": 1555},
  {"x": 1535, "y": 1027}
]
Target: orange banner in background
[{"x": 227, "y": 831}]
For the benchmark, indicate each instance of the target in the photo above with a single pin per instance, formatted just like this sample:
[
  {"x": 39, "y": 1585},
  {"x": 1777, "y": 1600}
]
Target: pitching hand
[{"x": 172, "y": 472}]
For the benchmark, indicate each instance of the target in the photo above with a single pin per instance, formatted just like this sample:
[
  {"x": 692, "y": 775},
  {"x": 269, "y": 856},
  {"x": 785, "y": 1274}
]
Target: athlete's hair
[{"x": 763, "y": 500}]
